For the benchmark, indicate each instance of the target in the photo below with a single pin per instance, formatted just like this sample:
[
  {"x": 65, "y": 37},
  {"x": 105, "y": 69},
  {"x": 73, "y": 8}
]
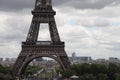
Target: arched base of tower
[{"x": 30, "y": 52}]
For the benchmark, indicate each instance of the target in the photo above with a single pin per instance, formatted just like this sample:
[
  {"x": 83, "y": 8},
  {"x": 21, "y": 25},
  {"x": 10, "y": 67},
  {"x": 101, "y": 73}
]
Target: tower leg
[{"x": 54, "y": 32}]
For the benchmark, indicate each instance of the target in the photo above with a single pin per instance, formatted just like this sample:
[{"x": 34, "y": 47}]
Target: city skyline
[{"x": 89, "y": 27}]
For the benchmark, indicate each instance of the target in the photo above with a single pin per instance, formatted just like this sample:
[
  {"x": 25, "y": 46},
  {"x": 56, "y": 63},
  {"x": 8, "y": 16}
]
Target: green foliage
[
  {"x": 87, "y": 77},
  {"x": 30, "y": 70},
  {"x": 77, "y": 69},
  {"x": 99, "y": 71},
  {"x": 117, "y": 77},
  {"x": 67, "y": 73},
  {"x": 2, "y": 69},
  {"x": 85, "y": 69},
  {"x": 101, "y": 77},
  {"x": 6, "y": 73},
  {"x": 98, "y": 68},
  {"x": 112, "y": 70},
  {"x": 58, "y": 70}
]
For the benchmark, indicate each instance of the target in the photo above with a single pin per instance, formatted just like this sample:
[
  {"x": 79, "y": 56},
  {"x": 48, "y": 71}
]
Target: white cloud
[{"x": 100, "y": 39}]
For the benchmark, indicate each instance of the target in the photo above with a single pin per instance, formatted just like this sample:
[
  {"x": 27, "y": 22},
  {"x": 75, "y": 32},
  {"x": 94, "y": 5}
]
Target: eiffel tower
[{"x": 32, "y": 48}]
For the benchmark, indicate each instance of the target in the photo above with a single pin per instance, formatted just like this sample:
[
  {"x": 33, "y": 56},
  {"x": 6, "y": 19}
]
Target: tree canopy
[{"x": 94, "y": 71}]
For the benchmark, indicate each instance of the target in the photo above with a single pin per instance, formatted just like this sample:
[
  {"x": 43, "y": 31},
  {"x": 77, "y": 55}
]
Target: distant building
[
  {"x": 114, "y": 60},
  {"x": 73, "y": 56},
  {"x": 13, "y": 59},
  {"x": 7, "y": 59},
  {"x": 1, "y": 59},
  {"x": 101, "y": 61},
  {"x": 82, "y": 59}
]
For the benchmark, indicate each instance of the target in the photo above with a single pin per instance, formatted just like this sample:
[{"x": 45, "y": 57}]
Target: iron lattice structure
[{"x": 32, "y": 48}]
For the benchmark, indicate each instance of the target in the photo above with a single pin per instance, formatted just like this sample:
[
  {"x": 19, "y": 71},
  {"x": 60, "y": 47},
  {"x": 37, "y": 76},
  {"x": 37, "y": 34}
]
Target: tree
[
  {"x": 6, "y": 73},
  {"x": 112, "y": 70},
  {"x": 87, "y": 77},
  {"x": 30, "y": 70},
  {"x": 2, "y": 69},
  {"x": 77, "y": 69},
  {"x": 67, "y": 73},
  {"x": 98, "y": 68},
  {"x": 85, "y": 68},
  {"x": 101, "y": 77},
  {"x": 117, "y": 77},
  {"x": 100, "y": 71}
]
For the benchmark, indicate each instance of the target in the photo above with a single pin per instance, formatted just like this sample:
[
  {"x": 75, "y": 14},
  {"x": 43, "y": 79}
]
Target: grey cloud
[
  {"x": 96, "y": 23},
  {"x": 116, "y": 47},
  {"x": 91, "y": 4},
  {"x": 111, "y": 45},
  {"x": 92, "y": 22},
  {"x": 15, "y": 5},
  {"x": 15, "y": 30}
]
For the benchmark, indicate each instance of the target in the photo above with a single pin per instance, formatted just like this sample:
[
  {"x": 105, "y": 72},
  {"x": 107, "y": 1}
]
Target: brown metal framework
[{"x": 32, "y": 48}]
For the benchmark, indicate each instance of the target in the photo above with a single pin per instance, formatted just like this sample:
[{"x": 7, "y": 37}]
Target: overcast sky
[{"x": 88, "y": 27}]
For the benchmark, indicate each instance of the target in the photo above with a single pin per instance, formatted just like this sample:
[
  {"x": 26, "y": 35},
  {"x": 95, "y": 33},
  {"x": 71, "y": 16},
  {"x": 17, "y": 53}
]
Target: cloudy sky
[{"x": 88, "y": 27}]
